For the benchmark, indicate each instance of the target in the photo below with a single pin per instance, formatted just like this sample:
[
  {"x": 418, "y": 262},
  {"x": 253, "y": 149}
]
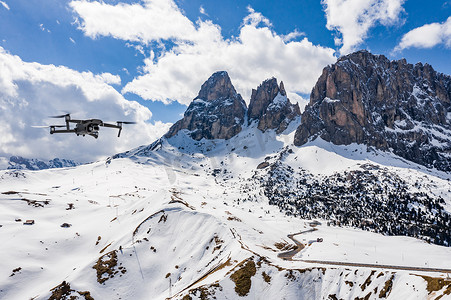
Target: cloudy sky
[{"x": 144, "y": 61}]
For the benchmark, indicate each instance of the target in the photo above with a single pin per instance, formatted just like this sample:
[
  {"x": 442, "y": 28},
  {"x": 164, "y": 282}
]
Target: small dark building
[
  {"x": 314, "y": 223},
  {"x": 29, "y": 222},
  {"x": 66, "y": 225}
]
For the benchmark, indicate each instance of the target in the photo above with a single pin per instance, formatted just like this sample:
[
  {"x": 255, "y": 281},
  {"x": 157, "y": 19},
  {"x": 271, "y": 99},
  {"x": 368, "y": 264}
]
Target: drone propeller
[
  {"x": 119, "y": 123},
  {"x": 66, "y": 118},
  {"x": 125, "y": 122},
  {"x": 48, "y": 126},
  {"x": 60, "y": 116}
]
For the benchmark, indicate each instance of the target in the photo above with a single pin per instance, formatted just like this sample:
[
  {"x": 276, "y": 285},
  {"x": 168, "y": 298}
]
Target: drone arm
[
  {"x": 118, "y": 126},
  {"x": 110, "y": 125},
  {"x": 53, "y": 130}
]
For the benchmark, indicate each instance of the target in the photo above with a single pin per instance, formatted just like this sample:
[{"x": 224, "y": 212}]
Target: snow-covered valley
[{"x": 186, "y": 219}]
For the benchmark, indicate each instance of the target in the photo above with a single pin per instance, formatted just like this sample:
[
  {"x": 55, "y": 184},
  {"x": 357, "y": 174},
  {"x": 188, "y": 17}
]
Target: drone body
[{"x": 85, "y": 127}]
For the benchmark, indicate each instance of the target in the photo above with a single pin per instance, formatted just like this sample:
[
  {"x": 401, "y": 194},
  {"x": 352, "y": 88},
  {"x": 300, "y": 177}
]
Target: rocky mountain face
[
  {"x": 218, "y": 111},
  {"x": 21, "y": 163},
  {"x": 270, "y": 106},
  {"x": 389, "y": 105}
]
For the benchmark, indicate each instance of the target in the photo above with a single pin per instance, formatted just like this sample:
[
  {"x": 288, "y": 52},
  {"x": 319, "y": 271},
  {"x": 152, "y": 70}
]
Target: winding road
[
  {"x": 299, "y": 246},
  {"x": 288, "y": 255}
]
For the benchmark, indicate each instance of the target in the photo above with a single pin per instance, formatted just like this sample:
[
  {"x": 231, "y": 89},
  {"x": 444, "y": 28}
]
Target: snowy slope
[{"x": 191, "y": 218}]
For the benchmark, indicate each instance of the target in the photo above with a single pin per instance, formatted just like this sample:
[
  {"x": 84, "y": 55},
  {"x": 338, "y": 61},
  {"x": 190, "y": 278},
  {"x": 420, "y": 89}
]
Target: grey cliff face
[
  {"x": 216, "y": 113},
  {"x": 270, "y": 106},
  {"x": 390, "y": 105}
]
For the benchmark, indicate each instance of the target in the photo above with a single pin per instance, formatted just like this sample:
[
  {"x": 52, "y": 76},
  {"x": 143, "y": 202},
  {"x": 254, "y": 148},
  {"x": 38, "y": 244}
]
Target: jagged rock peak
[
  {"x": 218, "y": 86},
  {"x": 271, "y": 107},
  {"x": 364, "y": 57},
  {"x": 263, "y": 96},
  {"x": 390, "y": 105},
  {"x": 216, "y": 113}
]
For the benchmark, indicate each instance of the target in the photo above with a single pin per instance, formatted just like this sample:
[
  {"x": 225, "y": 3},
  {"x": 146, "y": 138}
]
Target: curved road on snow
[
  {"x": 288, "y": 255},
  {"x": 299, "y": 246}
]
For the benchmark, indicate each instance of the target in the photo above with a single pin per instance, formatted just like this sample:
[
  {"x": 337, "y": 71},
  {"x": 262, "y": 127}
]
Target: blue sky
[{"x": 158, "y": 52}]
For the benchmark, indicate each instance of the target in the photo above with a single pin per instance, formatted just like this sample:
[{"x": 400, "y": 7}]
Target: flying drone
[{"x": 84, "y": 127}]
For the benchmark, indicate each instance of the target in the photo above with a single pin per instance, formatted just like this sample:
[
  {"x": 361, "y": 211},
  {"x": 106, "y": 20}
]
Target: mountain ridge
[
  {"x": 218, "y": 111},
  {"x": 362, "y": 98},
  {"x": 21, "y": 163},
  {"x": 270, "y": 106},
  {"x": 389, "y": 105}
]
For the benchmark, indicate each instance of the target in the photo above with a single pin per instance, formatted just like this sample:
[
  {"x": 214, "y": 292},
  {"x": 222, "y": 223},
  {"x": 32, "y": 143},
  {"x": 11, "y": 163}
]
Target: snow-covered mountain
[
  {"x": 229, "y": 210},
  {"x": 218, "y": 112},
  {"x": 271, "y": 108},
  {"x": 21, "y": 163},
  {"x": 390, "y": 105}
]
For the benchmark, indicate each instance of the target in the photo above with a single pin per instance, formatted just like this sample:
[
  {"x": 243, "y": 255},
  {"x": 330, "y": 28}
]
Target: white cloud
[
  {"x": 256, "y": 54},
  {"x": 200, "y": 49},
  {"x": 30, "y": 92},
  {"x": 352, "y": 19},
  {"x": 292, "y": 35},
  {"x": 153, "y": 20},
  {"x": 41, "y": 26},
  {"x": 5, "y": 5},
  {"x": 255, "y": 18},
  {"x": 427, "y": 36},
  {"x": 138, "y": 47},
  {"x": 202, "y": 10},
  {"x": 299, "y": 99}
]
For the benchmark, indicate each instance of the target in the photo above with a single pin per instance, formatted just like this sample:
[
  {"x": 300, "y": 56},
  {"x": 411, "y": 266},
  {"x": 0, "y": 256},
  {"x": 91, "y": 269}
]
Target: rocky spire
[
  {"x": 216, "y": 113},
  {"x": 218, "y": 86},
  {"x": 390, "y": 105},
  {"x": 270, "y": 106}
]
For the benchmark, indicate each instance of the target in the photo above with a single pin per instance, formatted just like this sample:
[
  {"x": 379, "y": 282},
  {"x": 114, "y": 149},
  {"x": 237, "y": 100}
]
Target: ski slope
[{"x": 175, "y": 221}]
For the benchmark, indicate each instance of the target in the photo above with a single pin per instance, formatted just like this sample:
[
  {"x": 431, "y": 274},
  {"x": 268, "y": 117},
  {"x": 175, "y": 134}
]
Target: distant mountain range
[{"x": 21, "y": 163}]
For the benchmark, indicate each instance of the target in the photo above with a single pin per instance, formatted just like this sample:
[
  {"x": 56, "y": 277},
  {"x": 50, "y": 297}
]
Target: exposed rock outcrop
[
  {"x": 390, "y": 105},
  {"x": 271, "y": 107},
  {"x": 218, "y": 112}
]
